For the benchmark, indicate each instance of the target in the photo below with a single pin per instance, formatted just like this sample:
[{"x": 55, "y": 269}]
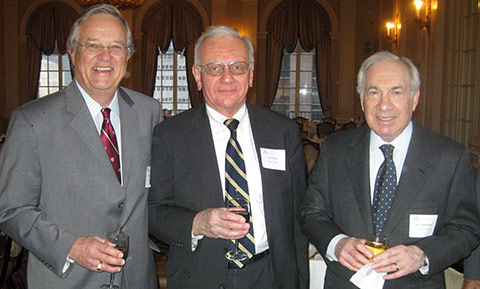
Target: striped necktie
[
  {"x": 236, "y": 186},
  {"x": 109, "y": 140},
  {"x": 385, "y": 186}
]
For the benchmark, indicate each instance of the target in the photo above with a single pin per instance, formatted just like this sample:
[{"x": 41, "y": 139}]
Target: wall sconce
[
  {"x": 424, "y": 22},
  {"x": 393, "y": 30}
]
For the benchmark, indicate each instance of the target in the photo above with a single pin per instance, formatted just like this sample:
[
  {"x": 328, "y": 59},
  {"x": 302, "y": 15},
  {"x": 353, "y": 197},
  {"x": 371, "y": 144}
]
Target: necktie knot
[
  {"x": 232, "y": 124},
  {"x": 106, "y": 113},
  {"x": 387, "y": 151}
]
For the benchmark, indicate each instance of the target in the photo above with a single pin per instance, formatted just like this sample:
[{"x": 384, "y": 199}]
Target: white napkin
[{"x": 367, "y": 278}]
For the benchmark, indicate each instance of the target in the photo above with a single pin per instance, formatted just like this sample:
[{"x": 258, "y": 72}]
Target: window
[
  {"x": 297, "y": 92},
  {"x": 171, "y": 88},
  {"x": 54, "y": 73}
]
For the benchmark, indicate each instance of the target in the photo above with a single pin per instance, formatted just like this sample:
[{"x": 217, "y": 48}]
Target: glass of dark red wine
[
  {"x": 240, "y": 207},
  {"x": 121, "y": 239}
]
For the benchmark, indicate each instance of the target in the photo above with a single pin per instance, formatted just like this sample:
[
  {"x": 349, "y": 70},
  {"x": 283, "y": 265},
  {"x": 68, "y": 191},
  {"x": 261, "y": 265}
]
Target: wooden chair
[
  {"x": 325, "y": 128},
  {"x": 349, "y": 125},
  {"x": 11, "y": 257}
]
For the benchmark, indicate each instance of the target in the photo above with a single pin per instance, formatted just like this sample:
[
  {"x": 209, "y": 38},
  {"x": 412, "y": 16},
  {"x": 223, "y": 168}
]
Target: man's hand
[
  {"x": 407, "y": 259},
  {"x": 471, "y": 284},
  {"x": 352, "y": 253},
  {"x": 90, "y": 251},
  {"x": 220, "y": 223}
]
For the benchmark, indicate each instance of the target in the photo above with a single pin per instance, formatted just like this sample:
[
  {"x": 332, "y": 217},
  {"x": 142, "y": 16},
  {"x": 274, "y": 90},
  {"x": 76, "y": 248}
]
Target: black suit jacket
[
  {"x": 185, "y": 181},
  {"x": 471, "y": 265},
  {"x": 436, "y": 179}
]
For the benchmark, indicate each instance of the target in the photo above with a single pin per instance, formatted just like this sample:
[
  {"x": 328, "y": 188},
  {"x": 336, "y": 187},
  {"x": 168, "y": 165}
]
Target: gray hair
[
  {"x": 387, "y": 56},
  {"x": 72, "y": 40},
  {"x": 216, "y": 31}
]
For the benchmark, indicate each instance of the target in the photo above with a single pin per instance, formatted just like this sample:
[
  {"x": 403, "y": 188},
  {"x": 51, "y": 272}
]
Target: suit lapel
[
  {"x": 83, "y": 124},
  {"x": 411, "y": 180},
  {"x": 128, "y": 120},
  {"x": 202, "y": 154},
  {"x": 357, "y": 164},
  {"x": 264, "y": 137}
]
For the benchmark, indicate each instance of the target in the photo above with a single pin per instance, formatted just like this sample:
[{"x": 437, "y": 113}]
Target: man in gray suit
[
  {"x": 59, "y": 191},
  {"x": 189, "y": 180},
  {"x": 429, "y": 211}
]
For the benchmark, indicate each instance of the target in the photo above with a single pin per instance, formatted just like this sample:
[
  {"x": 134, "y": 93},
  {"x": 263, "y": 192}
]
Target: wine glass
[
  {"x": 240, "y": 207},
  {"x": 377, "y": 243},
  {"x": 121, "y": 240}
]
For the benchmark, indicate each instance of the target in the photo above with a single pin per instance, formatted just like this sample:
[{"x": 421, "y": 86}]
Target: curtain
[
  {"x": 289, "y": 21},
  {"x": 314, "y": 32},
  {"x": 49, "y": 23},
  {"x": 168, "y": 21}
]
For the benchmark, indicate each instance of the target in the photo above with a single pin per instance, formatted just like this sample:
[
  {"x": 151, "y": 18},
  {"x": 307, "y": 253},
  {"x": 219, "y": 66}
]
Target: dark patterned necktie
[
  {"x": 236, "y": 186},
  {"x": 110, "y": 142},
  {"x": 385, "y": 186}
]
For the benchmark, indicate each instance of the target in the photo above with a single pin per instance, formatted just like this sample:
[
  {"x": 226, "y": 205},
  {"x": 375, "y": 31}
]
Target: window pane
[
  {"x": 43, "y": 81},
  {"x": 42, "y": 91},
  {"x": 306, "y": 62},
  {"x": 65, "y": 63},
  {"x": 53, "y": 78},
  {"x": 53, "y": 62},
  {"x": 66, "y": 78},
  {"x": 44, "y": 65}
]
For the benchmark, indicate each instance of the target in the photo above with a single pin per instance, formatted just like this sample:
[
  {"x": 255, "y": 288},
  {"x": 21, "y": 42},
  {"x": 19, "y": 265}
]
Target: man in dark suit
[
  {"x": 471, "y": 265},
  {"x": 189, "y": 186},
  {"x": 425, "y": 203},
  {"x": 60, "y": 190}
]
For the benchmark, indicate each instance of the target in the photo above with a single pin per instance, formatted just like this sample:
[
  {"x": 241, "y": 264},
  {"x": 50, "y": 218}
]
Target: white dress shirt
[
  {"x": 97, "y": 116},
  {"x": 221, "y": 135},
  {"x": 376, "y": 158}
]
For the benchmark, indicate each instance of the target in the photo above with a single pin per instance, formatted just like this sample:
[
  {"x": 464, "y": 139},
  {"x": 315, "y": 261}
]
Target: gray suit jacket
[
  {"x": 57, "y": 183},
  {"x": 185, "y": 180},
  {"x": 471, "y": 265},
  {"x": 437, "y": 179}
]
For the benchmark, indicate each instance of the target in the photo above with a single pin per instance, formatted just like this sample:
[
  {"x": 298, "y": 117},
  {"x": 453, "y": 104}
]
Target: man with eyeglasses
[
  {"x": 227, "y": 149},
  {"x": 74, "y": 166}
]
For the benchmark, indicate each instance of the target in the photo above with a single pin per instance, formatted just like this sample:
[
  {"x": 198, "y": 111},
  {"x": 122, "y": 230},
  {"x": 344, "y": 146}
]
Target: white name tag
[
  {"x": 273, "y": 159},
  {"x": 147, "y": 177},
  {"x": 422, "y": 226}
]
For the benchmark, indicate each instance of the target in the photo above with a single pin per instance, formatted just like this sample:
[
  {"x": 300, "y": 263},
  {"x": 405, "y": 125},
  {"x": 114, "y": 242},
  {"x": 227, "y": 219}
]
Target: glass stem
[{"x": 112, "y": 278}]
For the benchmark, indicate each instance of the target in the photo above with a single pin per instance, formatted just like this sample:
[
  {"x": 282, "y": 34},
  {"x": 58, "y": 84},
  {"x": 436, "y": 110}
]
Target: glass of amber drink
[{"x": 377, "y": 243}]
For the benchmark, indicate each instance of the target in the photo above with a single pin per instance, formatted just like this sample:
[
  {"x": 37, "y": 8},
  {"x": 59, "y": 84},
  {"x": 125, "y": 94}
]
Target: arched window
[
  {"x": 298, "y": 32},
  {"x": 47, "y": 32},
  {"x": 297, "y": 92},
  {"x": 54, "y": 73},
  {"x": 171, "y": 88}
]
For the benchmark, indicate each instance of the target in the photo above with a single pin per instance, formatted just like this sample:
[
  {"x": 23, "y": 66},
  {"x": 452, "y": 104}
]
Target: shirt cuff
[
  {"x": 425, "y": 268},
  {"x": 332, "y": 245},
  {"x": 67, "y": 264},
  {"x": 195, "y": 241}
]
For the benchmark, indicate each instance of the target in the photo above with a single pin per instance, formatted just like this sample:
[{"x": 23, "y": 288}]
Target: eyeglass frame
[
  {"x": 228, "y": 64},
  {"x": 126, "y": 48}
]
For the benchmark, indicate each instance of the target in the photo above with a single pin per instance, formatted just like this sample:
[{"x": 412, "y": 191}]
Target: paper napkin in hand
[{"x": 367, "y": 278}]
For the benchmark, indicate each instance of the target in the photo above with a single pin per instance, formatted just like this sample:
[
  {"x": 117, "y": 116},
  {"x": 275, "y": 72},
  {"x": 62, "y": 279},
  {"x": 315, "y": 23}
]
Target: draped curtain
[
  {"x": 167, "y": 21},
  {"x": 289, "y": 21},
  {"x": 49, "y": 24}
]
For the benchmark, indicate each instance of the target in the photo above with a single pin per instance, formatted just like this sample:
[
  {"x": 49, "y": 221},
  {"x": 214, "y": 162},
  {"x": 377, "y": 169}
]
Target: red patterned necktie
[{"x": 110, "y": 142}]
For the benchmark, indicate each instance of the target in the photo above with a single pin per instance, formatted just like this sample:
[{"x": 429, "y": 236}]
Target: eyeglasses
[
  {"x": 94, "y": 48},
  {"x": 217, "y": 68}
]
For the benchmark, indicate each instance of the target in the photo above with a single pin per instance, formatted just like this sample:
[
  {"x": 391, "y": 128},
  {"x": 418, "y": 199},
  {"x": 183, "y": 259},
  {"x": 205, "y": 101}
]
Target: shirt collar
[
  {"x": 219, "y": 118},
  {"x": 94, "y": 107},
  {"x": 401, "y": 142}
]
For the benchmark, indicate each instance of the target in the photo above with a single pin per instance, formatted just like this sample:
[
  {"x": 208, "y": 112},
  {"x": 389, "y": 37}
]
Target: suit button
[
  {"x": 121, "y": 205},
  {"x": 221, "y": 286}
]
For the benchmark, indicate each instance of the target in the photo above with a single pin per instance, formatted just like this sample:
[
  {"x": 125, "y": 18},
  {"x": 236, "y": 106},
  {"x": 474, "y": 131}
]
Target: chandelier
[{"x": 120, "y": 4}]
